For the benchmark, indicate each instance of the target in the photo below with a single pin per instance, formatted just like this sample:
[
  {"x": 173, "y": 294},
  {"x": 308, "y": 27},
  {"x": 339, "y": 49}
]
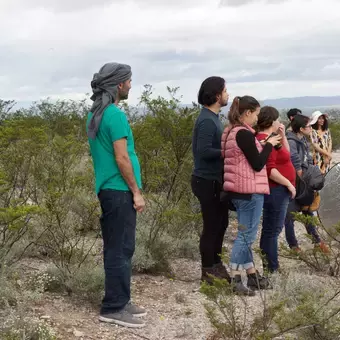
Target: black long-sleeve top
[
  {"x": 245, "y": 140},
  {"x": 206, "y": 146}
]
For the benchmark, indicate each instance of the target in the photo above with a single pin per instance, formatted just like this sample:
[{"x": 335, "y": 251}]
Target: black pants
[
  {"x": 118, "y": 224},
  {"x": 215, "y": 219}
]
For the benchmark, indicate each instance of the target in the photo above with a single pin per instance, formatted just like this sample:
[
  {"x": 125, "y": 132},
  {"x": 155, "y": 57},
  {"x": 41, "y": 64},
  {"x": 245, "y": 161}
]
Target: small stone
[
  {"x": 78, "y": 334},
  {"x": 45, "y": 317}
]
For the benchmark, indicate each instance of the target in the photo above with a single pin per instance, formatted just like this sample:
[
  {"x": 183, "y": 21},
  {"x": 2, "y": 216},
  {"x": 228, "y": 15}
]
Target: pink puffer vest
[{"x": 239, "y": 176}]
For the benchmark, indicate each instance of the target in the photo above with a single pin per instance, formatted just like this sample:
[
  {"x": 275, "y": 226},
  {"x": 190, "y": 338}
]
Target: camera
[{"x": 278, "y": 146}]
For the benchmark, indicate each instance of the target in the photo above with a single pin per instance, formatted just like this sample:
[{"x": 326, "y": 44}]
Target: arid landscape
[{"x": 51, "y": 276}]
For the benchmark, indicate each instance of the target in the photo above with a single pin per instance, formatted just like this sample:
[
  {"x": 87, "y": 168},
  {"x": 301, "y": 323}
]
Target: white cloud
[{"x": 265, "y": 48}]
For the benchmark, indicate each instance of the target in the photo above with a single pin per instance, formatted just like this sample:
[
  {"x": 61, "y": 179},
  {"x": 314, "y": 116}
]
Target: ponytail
[
  {"x": 234, "y": 112},
  {"x": 239, "y": 106}
]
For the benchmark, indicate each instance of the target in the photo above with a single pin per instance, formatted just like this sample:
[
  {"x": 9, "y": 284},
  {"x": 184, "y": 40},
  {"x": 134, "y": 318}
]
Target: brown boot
[
  {"x": 222, "y": 271},
  {"x": 209, "y": 274},
  {"x": 323, "y": 247}
]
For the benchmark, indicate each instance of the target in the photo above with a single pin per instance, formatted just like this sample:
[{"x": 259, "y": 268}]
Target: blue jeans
[
  {"x": 274, "y": 213},
  {"x": 118, "y": 225},
  {"x": 289, "y": 226},
  {"x": 248, "y": 215}
]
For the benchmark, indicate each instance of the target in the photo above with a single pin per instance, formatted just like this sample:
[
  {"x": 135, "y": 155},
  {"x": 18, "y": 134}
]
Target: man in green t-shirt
[{"x": 118, "y": 186}]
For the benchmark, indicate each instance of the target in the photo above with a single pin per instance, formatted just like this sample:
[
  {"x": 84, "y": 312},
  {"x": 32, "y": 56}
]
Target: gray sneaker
[
  {"x": 136, "y": 311},
  {"x": 122, "y": 318}
]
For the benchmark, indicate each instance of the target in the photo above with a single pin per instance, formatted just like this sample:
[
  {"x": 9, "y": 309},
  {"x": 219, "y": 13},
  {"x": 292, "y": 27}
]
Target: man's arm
[
  {"x": 118, "y": 131},
  {"x": 205, "y": 134},
  {"x": 124, "y": 164},
  {"x": 125, "y": 167}
]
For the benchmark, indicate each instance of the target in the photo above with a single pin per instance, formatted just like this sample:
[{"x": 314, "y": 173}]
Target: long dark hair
[
  {"x": 325, "y": 124},
  {"x": 239, "y": 106},
  {"x": 267, "y": 116}
]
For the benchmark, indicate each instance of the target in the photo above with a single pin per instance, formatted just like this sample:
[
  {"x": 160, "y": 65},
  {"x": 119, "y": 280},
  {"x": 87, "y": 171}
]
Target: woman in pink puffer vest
[{"x": 246, "y": 182}]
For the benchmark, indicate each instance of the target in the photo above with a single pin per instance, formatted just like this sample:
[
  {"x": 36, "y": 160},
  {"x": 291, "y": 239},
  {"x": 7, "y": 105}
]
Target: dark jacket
[{"x": 299, "y": 151}]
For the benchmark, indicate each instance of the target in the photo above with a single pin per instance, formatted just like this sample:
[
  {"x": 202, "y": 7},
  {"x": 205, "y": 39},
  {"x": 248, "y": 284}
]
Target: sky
[{"x": 263, "y": 48}]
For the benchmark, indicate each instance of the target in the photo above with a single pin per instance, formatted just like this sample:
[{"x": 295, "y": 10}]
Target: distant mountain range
[{"x": 306, "y": 104}]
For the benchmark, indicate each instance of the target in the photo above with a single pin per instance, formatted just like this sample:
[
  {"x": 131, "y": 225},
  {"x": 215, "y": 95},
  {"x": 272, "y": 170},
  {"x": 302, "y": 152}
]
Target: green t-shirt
[{"x": 114, "y": 125}]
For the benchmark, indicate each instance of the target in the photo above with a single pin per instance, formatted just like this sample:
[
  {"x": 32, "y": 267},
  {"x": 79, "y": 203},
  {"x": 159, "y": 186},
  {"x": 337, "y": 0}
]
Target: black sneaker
[
  {"x": 239, "y": 288},
  {"x": 256, "y": 282},
  {"x": 122, "y": 318}
]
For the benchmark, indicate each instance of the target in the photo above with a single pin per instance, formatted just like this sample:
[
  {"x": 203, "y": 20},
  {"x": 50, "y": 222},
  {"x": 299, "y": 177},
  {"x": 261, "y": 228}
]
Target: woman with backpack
[
  {"x": 281, "y": 174},
  {"x": 302, "y": 160},
  {"x": 246, "y": 182}
]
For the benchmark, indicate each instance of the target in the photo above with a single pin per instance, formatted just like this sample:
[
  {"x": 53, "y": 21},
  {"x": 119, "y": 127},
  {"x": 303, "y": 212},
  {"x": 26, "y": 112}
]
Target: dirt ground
[{"x": 175, "y": 306}]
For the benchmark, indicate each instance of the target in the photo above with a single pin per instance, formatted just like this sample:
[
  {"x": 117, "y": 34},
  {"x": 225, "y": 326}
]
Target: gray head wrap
[{"x": 105, "y": 89}]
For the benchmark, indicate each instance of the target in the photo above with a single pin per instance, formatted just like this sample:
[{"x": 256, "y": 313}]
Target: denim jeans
[
  {"x": 248, "y": 215},
  {"x": 215, "y": 219},
  {"x": 289, "y": 226},
  {"x": 118, "y": 225},
  {"x": 274, "y": 213}
]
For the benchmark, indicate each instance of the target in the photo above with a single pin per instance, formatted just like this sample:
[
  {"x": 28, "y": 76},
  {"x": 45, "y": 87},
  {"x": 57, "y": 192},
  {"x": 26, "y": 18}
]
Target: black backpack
[{"x": 304, "y": 193}]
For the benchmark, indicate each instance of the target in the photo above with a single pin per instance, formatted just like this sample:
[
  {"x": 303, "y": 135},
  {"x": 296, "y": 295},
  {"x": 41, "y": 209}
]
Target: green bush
[
  {"x": 86, "y": 283},
  {"x": 315, "y": 258},
  {"x": 335, "y": 131},
  {"x": 55, "y": 175},
  {"x": 21, "y": 329},
  {"x": 300, "y": 307}
]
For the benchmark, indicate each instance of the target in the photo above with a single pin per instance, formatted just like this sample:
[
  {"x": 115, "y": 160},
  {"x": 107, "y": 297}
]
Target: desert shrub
[
  {"x": 314, "y": 258},
  {"x": 335, "y": 131},
  {"x": 53, "y": 172},
  {"x": 19, "y": 329},
  {"x": 299, "y": 307},
  {"x": 8, "y": 293},
  {"x": 163, "y": 142},
  {"x": 59, "y": 178},
  {"x": 18, "y": 152},
  {"x": 18, "y": 295},
  {"x": 62, "y": 182},
  {"x": 156, "y": 257},
  {"x": 86, "y": 283}
]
